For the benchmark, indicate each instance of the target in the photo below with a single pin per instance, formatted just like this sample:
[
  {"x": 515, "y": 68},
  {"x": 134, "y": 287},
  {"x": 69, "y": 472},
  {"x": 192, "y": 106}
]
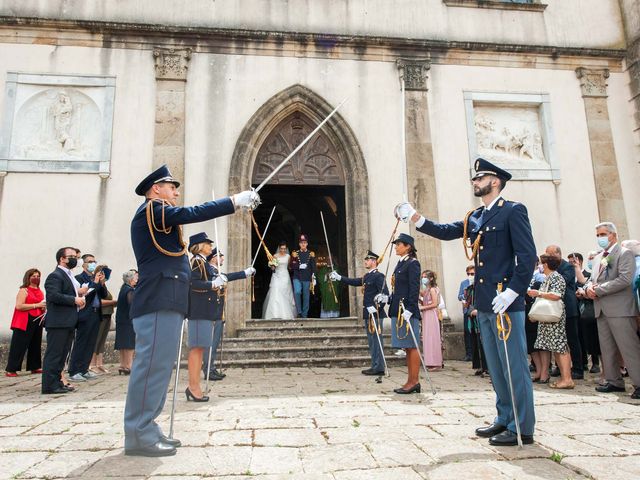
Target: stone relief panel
[
  {"x": 317, "y": 163},
  {"x": 513, "y": 131},
  {"x": 57, "y": 124}
]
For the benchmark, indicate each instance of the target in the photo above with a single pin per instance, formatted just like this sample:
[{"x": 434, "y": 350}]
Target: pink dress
[{"x": 431, "y": 343}]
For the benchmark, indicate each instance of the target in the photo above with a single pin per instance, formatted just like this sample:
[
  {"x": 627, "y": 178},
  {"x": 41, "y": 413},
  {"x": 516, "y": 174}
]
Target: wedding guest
[
  {"x": 552, "y": 337},
  {"x": 108, "y": 305},
  {"x": 26, "y": 326},
  {"x": 125, "y": 335},
  {"x": 428, "y": 304}
]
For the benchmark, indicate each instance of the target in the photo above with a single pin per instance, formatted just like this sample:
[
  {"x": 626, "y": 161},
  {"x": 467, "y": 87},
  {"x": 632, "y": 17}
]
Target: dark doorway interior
[{"x": 298, "y": 211}]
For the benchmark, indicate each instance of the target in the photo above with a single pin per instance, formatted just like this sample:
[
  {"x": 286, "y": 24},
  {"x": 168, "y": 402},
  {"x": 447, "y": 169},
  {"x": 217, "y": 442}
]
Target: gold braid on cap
[
  {"x": 466, "y": 243},
  {"x": 152, "y": 226}
]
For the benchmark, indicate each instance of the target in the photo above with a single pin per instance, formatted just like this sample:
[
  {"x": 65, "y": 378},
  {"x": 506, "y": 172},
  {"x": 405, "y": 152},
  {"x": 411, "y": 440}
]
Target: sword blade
[
  {"x": 384, "y": 360},
  {"x": 284, "y": 162},
  {"x": 426, "y": 372},
  {"x": 175, "y": 385},
  {"x": 511, "y": 390},
  {"x": 255, "y": 257}
]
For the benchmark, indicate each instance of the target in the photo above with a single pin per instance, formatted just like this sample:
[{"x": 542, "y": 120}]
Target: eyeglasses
[{"x": 70, "y": 256}]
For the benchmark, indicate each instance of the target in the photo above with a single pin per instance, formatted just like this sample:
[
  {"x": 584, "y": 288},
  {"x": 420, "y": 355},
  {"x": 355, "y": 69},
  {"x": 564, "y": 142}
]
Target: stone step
[
  {"x": 305, "y": 330},
  {"x": 300, "y": 322},
  {"x": 309, "y": 351},
  {"x": 344, "y": 361},
  {"x": 300, "y": 340}
]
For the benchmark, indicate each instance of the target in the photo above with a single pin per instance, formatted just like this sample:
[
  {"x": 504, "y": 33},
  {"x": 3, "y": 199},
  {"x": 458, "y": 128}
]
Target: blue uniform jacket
[
  {"x": 98, "y": 289},
  {"x": 164, "y": 280},
  {"x": 506, "y": 254},
  {"x": 406, "y": 287},
  {"x": 373, "y": 283},
  {"x": 298, "y": 257},
  {"x": 220, "y": 295}
]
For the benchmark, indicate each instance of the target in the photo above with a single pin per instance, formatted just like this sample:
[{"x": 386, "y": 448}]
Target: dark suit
[
  {"x": 373, "y": 283},
  {"x": 505, "y": 236},
  {"x": 570, "y": 300},
  {"x": 60, "y": 322},
  {"x": 88, "y": 326}
]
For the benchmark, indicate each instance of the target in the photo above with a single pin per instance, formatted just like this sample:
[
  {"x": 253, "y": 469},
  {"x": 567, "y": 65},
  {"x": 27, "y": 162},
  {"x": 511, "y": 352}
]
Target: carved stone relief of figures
[
  {"x": 509, "y": 134},
  {"x": 56, "y": 124}
]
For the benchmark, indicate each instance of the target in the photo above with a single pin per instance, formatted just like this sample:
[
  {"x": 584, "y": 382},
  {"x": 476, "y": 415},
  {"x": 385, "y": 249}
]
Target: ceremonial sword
[
  {"x": 175, "y": 385},
  {"x": 326, "y": 239},
  {"x": 415, "y": 341},
  {"x": 295, "y": 150},
  {"x": 384, "y": 360}
]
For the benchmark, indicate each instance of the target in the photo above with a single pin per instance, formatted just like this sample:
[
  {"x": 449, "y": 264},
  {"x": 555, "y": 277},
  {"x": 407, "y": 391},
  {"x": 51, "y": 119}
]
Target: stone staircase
[{"x": 331, "y": 342}]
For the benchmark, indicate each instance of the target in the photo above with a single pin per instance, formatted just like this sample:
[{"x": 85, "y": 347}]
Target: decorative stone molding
[
  {"x": 535, "y": 5},
  {"x": 171, "y": 64},
  {"x": 593, "y": 82},
  {"x": 413, "y": 71}
]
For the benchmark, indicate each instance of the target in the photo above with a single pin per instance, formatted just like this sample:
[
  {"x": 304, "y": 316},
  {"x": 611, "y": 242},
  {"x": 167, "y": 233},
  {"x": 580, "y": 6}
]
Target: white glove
[
  {"x": 371, "y": 310},
  {"x": 219, "y": 281},
  {"x": 407, "y": 315},
  {"x": 335, "y": 276},
  {"x": 381, "y": 298},
  {"x": 404, "y": 211},
  {"x": 502, "y": 301},
  {"x": 249, "y": 272},
  {"x": 313, "y": 279},
  {"x": 247, "y": 199},
  {"x": 303, "y": 266}
]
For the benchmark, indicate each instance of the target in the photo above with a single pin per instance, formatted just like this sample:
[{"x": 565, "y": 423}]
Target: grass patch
[{"x": 556, "y": 457}]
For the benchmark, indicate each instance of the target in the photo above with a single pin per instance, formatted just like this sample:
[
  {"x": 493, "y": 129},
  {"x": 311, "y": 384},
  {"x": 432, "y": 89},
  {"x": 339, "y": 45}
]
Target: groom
[{"x": 303, "y": 267}]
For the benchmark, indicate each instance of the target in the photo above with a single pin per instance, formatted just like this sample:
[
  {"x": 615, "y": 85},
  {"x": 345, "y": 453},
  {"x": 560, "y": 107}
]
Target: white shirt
[{"x": 75, "y": 282}]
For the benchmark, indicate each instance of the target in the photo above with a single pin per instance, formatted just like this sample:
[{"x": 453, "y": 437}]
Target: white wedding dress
[{"x": 279, "y": 302}]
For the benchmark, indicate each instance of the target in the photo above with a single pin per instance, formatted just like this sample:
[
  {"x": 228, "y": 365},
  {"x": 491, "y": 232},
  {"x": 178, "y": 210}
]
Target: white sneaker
[
  {"x": 78, "y": 377},
  {"x": 90, "y": 375},
  {"x": 400, "y": 353}
]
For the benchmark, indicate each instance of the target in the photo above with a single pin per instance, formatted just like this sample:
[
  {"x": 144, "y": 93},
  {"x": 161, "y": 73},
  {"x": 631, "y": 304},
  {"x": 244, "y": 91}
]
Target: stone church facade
[{"x": 96, "y": 94}]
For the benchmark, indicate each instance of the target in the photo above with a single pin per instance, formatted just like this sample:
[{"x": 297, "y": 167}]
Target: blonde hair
[{"x": 196, "y": 249}]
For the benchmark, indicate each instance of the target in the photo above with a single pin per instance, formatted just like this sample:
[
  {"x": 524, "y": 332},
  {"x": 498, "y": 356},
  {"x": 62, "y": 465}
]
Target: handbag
[{"x": 544, "y": 310}]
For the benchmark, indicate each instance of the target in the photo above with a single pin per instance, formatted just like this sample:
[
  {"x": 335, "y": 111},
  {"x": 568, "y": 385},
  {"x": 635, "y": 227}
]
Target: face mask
[
  {"x": 72, "y": 263},
  {"x": 35, "y": 281},
  {"x": 91, "y": 267},
  {"x": 540, "y": 268},
  {"x": 471, "y": 278},
  {"x": 590, "y": 265},
  {"x": 603, "y": 242},
  {"x": 425, "y": 281}
]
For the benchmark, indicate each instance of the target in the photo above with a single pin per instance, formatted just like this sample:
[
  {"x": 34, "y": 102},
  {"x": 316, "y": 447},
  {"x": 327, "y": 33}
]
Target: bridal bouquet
[{"x": 273, "y": 262}]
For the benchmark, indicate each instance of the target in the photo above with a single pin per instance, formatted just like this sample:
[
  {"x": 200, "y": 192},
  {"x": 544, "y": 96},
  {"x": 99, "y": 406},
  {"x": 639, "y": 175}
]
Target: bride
[{"x": 279, "y": 302}]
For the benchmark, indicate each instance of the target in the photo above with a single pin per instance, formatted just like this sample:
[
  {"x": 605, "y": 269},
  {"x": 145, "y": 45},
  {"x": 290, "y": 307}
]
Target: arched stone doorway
[{"x": 296, "y": 107}]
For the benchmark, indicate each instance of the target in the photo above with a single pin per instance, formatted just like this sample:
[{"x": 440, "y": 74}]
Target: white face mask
[
  {"x": 425, "y": 281},
  {"x": 471, "y": 278}
]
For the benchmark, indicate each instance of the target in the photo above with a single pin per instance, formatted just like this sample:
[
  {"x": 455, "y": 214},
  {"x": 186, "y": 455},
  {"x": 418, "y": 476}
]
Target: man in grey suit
[{"x": 616, "y": 310}]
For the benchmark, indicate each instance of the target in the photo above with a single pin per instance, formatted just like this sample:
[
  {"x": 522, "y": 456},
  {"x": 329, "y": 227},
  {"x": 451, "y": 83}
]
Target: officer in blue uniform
[
  {"x": 373, "y": 283},
  {"x": 160, "y": 302},
  {"x": 219, "y": 303},
  {"x": 497, "y": 237},
  {"x": 303, "y": 267}
]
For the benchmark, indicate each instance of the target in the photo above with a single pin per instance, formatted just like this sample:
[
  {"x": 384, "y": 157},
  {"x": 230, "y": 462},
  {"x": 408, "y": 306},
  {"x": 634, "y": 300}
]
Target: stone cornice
[
  {"x": 278, "y": 43},
  {"x": 497, "y": 4}
]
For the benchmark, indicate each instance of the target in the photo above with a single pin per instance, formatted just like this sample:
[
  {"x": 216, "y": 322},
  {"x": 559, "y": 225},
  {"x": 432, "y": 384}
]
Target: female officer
[{"x": 405, "y": 285}]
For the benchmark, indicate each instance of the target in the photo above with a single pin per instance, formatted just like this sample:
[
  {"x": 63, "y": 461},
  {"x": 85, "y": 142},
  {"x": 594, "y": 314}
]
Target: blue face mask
[
  {"x": 425, "y": 280},
  {"x": 603, "y": 242},
  {"x": 91, "y": 267}
]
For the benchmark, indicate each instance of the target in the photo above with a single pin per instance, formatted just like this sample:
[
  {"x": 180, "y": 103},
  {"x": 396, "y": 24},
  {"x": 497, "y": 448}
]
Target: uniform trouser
[
  {"x": 85, "y": 342},
  {"x": 301, "y": 295},
  {"x": 575, "y": 348},
  {"x": 468, "y": 342},
  {"x": 377, "y": 364},
  {"x": 496, "y": 360},
  {"x": 58, "y": 344},
  {"x": 157, "y": 337},
  {"x": 619, "y": 334},
  {"x": 27, "y": 341},
  {"x": 218, "y": 328}
]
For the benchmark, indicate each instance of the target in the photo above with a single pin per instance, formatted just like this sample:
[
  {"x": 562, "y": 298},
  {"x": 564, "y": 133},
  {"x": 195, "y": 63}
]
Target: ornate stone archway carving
[{"x": 337, "y": 144}]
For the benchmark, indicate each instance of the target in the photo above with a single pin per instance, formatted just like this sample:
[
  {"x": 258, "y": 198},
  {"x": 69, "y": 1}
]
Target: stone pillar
[
  {"x": 171, "y": 76},
  {"x": 631, "y": 16},
  {"x": 421, "y": 178},
  {"x": 603, "y": 155}
]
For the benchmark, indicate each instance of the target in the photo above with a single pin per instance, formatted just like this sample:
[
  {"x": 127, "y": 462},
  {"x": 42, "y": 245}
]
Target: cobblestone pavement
[{"x": 319, "y": 423}]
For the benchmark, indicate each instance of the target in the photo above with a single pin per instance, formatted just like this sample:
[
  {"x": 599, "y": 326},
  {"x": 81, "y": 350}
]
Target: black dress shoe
[
  {"x": 405, "y": 391},
  {"x": 554, "y": 372},
  {"x": 636, "y": 394},
  {"x": 509, "y": 439},
  {"x": 190, "y": 396},
  {"x": 577, "y": 376},
  {"x": 608, "y": 388},
  {"x": 56, "y": 391},
  {"x": 158, "y": 449},
  {"x": 371, "y": 371},
  {"x": 490, "y": 431},
  {"x": 219, "y": 373},
  {"x": 174, "y": 442}
]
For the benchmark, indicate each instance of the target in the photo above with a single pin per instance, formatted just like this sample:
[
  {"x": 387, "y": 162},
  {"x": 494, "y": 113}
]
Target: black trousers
[
  {"x": 468, "y": 342},
  {"x": 28, "y": 341},
  {"x": 58, "y": 344},
  {"x": 85, "y": 342},
  {"x": 477, "y": 357},
  {"x": 573, "y": 338}
]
